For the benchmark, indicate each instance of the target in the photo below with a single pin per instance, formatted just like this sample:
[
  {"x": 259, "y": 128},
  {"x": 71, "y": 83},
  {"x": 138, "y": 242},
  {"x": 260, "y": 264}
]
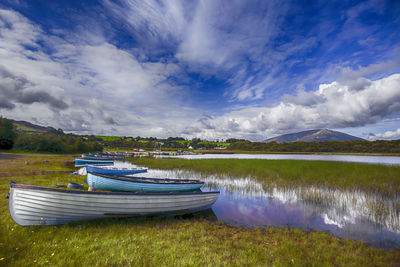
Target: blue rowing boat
[
  {"x": 127, "y": 183},
  {"x": 83, "y": 162},
  {"x": 113, "y": 170}
]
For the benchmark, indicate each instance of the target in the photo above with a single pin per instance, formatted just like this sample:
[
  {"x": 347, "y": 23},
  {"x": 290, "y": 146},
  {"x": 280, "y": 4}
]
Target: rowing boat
[
  {"x": 37, "y": 205},
  {"x": 127, "y": 183}
]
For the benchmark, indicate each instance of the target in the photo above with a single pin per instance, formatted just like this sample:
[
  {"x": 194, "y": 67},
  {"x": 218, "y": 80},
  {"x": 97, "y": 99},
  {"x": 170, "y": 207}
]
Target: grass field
[
  {"x": 215, "y": 143},
  {"x": 25, "y": 128},
  {"x": 191, "y": 240},
  {"x": 108, "y": 138},
  {"x": 341, "y": 175}
]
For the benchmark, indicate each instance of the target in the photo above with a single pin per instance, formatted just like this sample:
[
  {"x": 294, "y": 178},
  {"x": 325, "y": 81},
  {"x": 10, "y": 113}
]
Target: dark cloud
[
  {"x": 191, "y": 130},
  {"x": 41, "y": 97},
  {"x": 358, "y": 84},
  {"x": 206, "y": 122},
  {"x": 74, "y": 123},
  {"x": 4, "y": 103},
  {"x": 233, "y": 126},
  {"x": 110, "y": 121},
  {"x": 17, "y": 89}
]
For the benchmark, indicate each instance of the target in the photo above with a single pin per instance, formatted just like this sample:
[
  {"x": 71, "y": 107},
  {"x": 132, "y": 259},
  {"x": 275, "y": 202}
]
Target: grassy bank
[
  {"x": 217, "y": 151},
  {"x": 197, "y": 240},
  {"x": 341, "y": 175}
]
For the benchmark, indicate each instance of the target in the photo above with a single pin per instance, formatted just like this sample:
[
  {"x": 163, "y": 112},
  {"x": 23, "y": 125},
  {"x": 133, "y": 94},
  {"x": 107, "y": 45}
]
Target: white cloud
[
  {"x": 152, "y": 23},
  {"x": 388, "y": 135},
  {"x": 85, "y": 88},
  {"x": 212, "y": 37},
  {"x": 333, "y": 105}
]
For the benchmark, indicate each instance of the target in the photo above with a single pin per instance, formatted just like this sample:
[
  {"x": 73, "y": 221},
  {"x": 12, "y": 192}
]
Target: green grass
[
  {"x": 341, "y": 175},
  {"x": 215, "y": 143},
  {"x": 117, "y": 149},
  {"x": 162, "y": 241},
  {"x": 21, "y": 127},
  {"x": 108, "y": 138},
  {"x": 182, "y": 142}
]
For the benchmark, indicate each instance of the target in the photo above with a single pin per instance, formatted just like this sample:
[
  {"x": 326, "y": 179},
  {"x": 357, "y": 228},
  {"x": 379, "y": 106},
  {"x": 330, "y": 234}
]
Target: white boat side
[{"x": 35, "y": 205}]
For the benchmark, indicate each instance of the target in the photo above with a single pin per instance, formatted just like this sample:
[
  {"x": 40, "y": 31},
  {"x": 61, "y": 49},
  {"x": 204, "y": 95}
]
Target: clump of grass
[{"x": 339, "y": 175}]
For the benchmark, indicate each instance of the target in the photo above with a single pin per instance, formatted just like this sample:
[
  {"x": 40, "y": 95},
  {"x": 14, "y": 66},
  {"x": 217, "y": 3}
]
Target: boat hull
[
  {"x": 35, "y": 205},
  {"x": 114, "y": 171},
  {"x": 101, "y": 182},
  {"x": 84, "y": 162}
]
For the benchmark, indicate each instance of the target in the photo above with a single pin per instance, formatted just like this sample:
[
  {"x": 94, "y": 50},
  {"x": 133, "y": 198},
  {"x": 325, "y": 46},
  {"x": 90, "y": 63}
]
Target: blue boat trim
[
  {"x": 116, "y": 171},
  {"x": 89, "y": 161},
  {"x": 146, "y": 179}
]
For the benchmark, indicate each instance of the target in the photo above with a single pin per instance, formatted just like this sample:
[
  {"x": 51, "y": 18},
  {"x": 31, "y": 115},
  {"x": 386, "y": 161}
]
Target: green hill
[{"x": 27, "y": 127}]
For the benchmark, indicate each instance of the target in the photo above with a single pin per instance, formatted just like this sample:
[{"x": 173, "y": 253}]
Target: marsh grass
[
  {"x": 177, "y": 242},
  {"x": 173, "y": 241},
  {"x": 337, "y": 175}
]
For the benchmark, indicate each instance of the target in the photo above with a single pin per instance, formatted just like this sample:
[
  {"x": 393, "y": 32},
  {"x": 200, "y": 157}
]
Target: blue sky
[{"x": 209, "y": 69}]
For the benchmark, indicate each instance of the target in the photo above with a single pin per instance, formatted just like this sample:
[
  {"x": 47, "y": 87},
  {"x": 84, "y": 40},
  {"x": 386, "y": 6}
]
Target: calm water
[
  {"x": 244, "y": 201},
  {"x": 390, "y": 160}
]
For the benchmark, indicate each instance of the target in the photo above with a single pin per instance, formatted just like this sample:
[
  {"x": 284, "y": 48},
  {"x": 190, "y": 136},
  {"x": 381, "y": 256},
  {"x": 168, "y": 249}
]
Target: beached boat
[
  {"x": 84, "y": 162},
  {"x": 102, "y": 156},
  {"x": 37, "y": 205},
  {"x": 83, "y": 156},
  {"x": 114, "y": 170},
  {"x": 126, "y": 183}
]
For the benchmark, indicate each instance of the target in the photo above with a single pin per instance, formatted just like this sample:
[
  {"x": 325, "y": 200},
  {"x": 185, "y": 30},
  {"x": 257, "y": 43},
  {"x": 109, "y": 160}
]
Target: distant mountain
[
  {"x": 319, "y": 135},
  {"x": 27, "y": 127}
]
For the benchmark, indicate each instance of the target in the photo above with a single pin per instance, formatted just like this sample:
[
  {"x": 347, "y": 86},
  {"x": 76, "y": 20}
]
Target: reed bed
[{"x": 339, "y": 175}]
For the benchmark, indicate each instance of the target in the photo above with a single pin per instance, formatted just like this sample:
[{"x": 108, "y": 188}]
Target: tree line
[
  {"x": 55, "y": 142},
  {"x": 379, "y": 146},
  {"x": 173, "y": 143}
]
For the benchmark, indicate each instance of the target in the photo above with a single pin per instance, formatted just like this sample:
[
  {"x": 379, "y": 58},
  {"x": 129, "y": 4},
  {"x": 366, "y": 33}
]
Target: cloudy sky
[{"x": 211, "y": 69}]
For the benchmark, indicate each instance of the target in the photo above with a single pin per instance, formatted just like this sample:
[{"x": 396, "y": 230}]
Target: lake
[
  {"x": 387, "y": 160},
  {"x": 353, "y": 214}
]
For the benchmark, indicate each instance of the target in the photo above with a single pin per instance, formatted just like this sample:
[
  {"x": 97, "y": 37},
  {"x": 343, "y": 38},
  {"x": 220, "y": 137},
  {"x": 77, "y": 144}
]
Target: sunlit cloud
[{"x": 385, "y": 136}]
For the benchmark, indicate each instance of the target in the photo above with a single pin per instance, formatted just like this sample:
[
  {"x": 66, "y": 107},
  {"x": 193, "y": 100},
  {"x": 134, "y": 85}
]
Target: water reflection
[
  {"x": 386, "y": 160},
  {"x": 354, "y": 214}
]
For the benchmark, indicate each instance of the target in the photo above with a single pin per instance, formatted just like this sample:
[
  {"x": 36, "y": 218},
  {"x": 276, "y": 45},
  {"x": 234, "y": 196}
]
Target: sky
[{"x": 207, "y": 69}]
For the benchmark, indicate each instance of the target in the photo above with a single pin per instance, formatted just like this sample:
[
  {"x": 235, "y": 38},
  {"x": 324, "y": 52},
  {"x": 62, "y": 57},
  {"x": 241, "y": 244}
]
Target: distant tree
[
  {"x": 380, "y": 146},
  {"x": 175, "y": 139},
  {"x": 58, "y": 131},
  {"x": 7, "y": 134},
  {"x": 50, "y": 142},
  {"x": 234, "y": 140}
]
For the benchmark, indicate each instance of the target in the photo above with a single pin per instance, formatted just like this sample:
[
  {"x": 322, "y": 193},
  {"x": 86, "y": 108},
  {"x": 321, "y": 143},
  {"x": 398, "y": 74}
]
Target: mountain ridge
[
  {"x": 317, "y": 135},
  {"x": 28, "y": 127}
]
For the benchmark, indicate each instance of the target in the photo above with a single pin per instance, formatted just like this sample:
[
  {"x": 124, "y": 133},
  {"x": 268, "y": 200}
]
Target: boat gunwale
[
  {"x": 49, "y": 189},
  {"x": 107, "y": 168},
  {"x": 145, "y": 179},
  {"x": 95, "y": 160}
]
